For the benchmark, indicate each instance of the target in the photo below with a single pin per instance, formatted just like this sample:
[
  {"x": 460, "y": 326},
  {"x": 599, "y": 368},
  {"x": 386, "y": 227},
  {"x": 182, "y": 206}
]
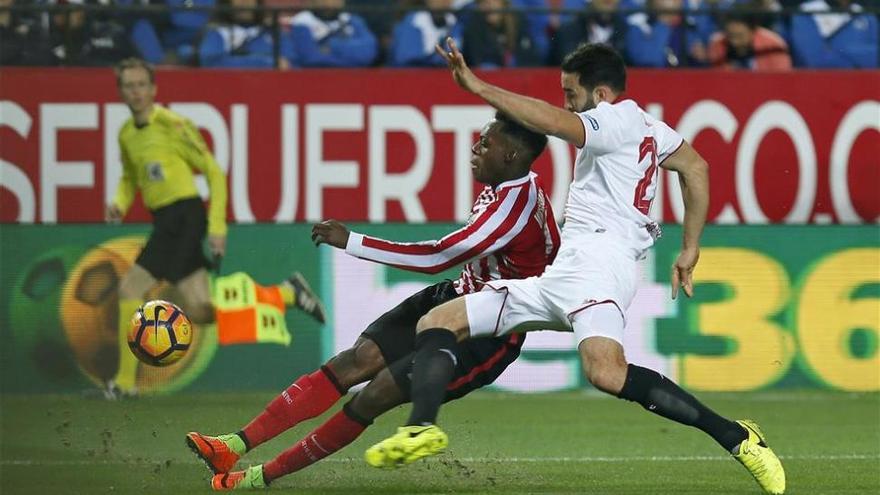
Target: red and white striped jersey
[{"x": 511, "y": 234}]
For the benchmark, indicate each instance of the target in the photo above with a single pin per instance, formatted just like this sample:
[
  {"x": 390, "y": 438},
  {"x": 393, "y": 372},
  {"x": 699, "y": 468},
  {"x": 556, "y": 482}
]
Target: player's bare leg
[
  {"x": 309, "y": 396},
  {"x": 358, "y": 364},
  {"x": 605, "y": 367},
  {"x": 379, "y": 396},
  {"x": 312, "y": 394},
  {"x": 195, "y": 289},
  {"x": 134, "y": 284},
  {"x": 433, "y": 367}
]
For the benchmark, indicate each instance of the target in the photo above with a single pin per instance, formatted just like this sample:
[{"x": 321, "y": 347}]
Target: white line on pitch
[{"x": 90, "y": 462}]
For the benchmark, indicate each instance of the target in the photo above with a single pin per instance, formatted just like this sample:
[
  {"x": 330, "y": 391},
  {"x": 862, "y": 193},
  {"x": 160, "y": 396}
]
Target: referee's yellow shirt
[{"x": 159, "y": 159}]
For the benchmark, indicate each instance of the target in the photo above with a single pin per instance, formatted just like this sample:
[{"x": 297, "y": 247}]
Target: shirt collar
[{"x": 515, "y": 182}]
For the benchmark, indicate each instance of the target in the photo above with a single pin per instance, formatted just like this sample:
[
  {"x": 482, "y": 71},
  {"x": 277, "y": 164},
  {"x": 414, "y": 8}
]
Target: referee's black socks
[
  {"x": 433, "y": 367},
  {"x": 662, "y": 396}
]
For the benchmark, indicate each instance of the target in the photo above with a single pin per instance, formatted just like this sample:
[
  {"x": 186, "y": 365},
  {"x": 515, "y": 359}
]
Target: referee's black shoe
[{"x": 305, "y": 298}]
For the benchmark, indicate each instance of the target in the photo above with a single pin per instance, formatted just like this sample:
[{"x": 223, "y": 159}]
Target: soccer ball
[{"x": 160, "y": 333}]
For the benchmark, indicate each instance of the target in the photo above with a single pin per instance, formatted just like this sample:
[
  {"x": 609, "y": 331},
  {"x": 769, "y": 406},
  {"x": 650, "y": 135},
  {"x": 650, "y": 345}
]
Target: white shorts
[{"x": 586, "y": 290}]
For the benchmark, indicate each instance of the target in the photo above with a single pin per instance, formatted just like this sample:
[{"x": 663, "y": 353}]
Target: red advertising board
[{"x": 392, "y": 145}]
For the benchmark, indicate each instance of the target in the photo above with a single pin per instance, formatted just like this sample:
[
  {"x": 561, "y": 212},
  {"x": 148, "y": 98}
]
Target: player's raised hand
[
  {"x": 330, "y": 232},
  {"x": 683, "y": 271},
  {"x": 460, "y": 71}
]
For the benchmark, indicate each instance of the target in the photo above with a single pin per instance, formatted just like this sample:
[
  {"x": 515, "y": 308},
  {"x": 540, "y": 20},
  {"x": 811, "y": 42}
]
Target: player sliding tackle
[
  {"x": 593, "y": 279},
  {"x": 511, "y": 233}
]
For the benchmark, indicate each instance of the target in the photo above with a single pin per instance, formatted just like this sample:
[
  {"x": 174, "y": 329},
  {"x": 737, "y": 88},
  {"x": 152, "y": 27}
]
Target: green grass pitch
[{"x": 499, "y": 443}]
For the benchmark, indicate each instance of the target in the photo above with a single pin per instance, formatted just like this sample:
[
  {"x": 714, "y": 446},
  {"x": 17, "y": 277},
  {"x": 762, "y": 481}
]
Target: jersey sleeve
[
  {"x": 668, "y": 140},
  {"x": 199, "y": 157},
  {"x": 126, "y": 189},
  {"x": 492, "y": 230},
  {"x": 602, "y": 129}
]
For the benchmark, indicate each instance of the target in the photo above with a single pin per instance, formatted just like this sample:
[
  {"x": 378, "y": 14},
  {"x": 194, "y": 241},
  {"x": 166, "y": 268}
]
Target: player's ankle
[{"x": 235, "y": 442}]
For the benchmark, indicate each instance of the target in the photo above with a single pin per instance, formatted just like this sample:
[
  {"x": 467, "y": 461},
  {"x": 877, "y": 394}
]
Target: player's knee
[
  {"x": 426, "y": 321},
  {"x": 357, "y": 364},
  {"x": 368, "y": 359},
  {"x": 436, "y": 319}
]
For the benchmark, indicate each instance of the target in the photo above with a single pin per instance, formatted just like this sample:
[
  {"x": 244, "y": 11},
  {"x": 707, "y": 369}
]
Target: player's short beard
[{"x": 589, "y": 104}]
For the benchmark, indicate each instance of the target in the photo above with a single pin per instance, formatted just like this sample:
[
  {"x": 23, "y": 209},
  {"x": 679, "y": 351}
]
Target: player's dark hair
[
  {"x": 133, "y": 63},
  {"x": 596, "y": 65},
  {"x": 532, "y": 142}
]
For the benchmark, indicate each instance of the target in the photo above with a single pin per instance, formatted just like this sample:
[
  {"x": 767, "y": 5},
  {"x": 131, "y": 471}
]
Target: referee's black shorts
[
  {"x": 479, "y": 361},
  {"x": 175, "y": 247}
]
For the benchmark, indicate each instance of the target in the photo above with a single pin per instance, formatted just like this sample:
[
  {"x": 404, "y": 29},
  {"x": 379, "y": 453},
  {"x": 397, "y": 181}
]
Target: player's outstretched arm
[
  {"x": 537, "y": 115},
  {"x": 493, "y": 229},
  {"x": 693, "y": 174}
]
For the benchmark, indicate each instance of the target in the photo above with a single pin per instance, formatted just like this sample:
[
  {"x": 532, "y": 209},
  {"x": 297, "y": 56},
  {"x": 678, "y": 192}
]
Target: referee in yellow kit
[{"x": 160, "y": 151}]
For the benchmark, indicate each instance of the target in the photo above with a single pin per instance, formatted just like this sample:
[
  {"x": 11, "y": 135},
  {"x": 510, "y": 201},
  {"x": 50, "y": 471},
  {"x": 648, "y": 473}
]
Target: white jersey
[{"x": 615, "y": 174}]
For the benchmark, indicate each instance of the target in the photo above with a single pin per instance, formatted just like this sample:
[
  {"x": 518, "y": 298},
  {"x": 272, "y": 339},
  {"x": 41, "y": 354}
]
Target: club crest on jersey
[
  {"x": 155, "y": 172},
  {"x": 593, "y": 123}
]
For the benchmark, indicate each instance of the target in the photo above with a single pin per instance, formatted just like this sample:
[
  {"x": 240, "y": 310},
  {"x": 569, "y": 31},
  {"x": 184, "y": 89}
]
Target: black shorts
[
  {"x": 175, "y": 248},
  {"x": 479, "y": 361}
]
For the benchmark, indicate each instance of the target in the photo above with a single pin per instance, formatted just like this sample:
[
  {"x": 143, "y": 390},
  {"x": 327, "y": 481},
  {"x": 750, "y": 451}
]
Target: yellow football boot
[
  {"x": 757, "y": 457},
  {"x": 408, "y": 445}
]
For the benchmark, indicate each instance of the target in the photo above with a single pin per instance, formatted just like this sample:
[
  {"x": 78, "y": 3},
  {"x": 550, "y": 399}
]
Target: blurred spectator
[
  {"x": 598, "y": 23},
  {"x": 327, "y": 36},
  {"x": 834, "y": 40},
  {"x": 663, "y": 38},
  {"x": 185, "y": 27},
  {"x": 537, "y": 24},
  {"x": 22, "y": 40},
  {"x": 704, "y": 15},
  {"x": 95, "y": 38},
  {"x": 770, "y": 16},
  {"x": 416, "y": 35},
  {"x": 143, "y": 29},
  {"x": 170, "y": 36},
  {"x": 242, "y": 39},
  {"x": 571, "y": 7},
  {"x": 744, "y": 44},
  {"x": 380, "y": 15},
  {"x": 287, "y": 4},
  {"x": 496, "y": 39},
  {"x": 534, "y": 25}
]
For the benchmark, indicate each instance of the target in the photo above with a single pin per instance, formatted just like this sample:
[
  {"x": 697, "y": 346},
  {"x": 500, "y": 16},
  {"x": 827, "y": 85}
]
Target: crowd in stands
[{"x": 761, "y": 35}]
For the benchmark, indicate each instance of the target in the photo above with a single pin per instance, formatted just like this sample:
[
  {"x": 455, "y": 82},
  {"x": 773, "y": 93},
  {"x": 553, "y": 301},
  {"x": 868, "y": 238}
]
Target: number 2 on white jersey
[{"x": 648, "y": 146}]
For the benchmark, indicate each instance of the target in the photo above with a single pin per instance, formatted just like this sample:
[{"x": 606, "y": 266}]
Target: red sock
[
  {"x": 308, "y": 397},
  {"x": 337, "y": 432}
]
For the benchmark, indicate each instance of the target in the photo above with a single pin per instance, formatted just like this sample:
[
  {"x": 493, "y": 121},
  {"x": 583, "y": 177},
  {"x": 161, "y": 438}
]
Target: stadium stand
[{"x": 760, "y": 35}]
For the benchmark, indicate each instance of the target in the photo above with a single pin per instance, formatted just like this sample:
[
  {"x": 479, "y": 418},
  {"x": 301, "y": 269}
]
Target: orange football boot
[
  {"x": 213, "y": 450},
  {"x": 252, "y": 477}
]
